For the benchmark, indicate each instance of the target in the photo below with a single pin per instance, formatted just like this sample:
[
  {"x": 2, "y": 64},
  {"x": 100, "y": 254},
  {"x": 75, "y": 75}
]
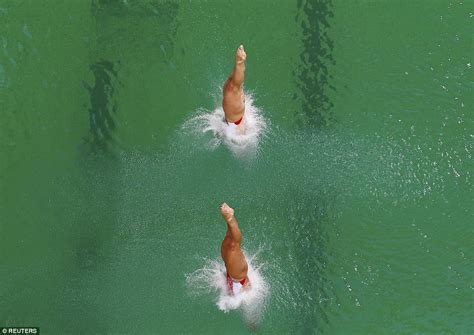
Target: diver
[
  {"x": 233, "y": 95},
  {"x": 233, "y": 257}
]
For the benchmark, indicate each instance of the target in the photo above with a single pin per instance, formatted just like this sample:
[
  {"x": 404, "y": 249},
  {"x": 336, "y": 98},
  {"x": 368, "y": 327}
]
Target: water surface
[{"x": 359, "y": 200}]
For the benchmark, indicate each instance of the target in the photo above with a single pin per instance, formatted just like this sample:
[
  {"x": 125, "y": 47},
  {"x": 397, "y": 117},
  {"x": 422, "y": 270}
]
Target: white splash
[
  {"x": 211, "y": 278},
  {"x": 242, "y": 140}
]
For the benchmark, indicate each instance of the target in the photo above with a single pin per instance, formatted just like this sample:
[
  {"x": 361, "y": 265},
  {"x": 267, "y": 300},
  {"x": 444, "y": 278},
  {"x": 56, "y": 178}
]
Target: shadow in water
[
  {"x": 117, "y": 26},
  {"x": 312, "y": 76},
  {"x": 102, "y": 107},
  {"x": 115, "y": 21},
  {"x": 135, "y": 25},
  {"x": 311, "y": 215},
  {"x": 312, "y": 211},
  {"x": 98, "y": 192}
]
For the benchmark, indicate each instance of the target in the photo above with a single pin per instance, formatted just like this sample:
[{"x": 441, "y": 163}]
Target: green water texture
[{"x": 359, "y": 202}]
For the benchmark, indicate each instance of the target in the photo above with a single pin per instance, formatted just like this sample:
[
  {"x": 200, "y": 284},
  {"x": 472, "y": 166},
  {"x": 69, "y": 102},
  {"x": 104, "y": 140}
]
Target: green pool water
[{"x": 359, "y": 202}]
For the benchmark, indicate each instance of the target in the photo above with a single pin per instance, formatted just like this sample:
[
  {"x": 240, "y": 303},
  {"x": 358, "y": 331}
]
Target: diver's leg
[
  {"x": 233, "y": 102},
  {"x": 238, "y": 75}
]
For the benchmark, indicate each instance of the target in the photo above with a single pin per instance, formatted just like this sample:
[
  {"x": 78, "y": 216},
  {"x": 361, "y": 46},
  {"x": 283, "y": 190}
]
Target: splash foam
[
  {"x": 211, "y": 278},
  {"x": 242, "y": 142}
]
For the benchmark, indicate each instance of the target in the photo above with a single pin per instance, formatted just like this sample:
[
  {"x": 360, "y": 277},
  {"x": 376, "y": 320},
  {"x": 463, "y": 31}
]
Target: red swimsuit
[
  {"x": 230, "y": 282},
  {"x": 236, "y": 122}
]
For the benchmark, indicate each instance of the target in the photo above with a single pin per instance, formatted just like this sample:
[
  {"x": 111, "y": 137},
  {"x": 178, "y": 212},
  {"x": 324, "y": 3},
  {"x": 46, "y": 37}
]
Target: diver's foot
[
  {"x": 226, "y": 211},
  {"x": 240, "y": 55}
]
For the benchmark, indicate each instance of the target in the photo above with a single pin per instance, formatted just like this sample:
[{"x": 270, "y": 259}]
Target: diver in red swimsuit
[
  {"x": 234, "y": 99},
  {"x": 233, "y": 257}
]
